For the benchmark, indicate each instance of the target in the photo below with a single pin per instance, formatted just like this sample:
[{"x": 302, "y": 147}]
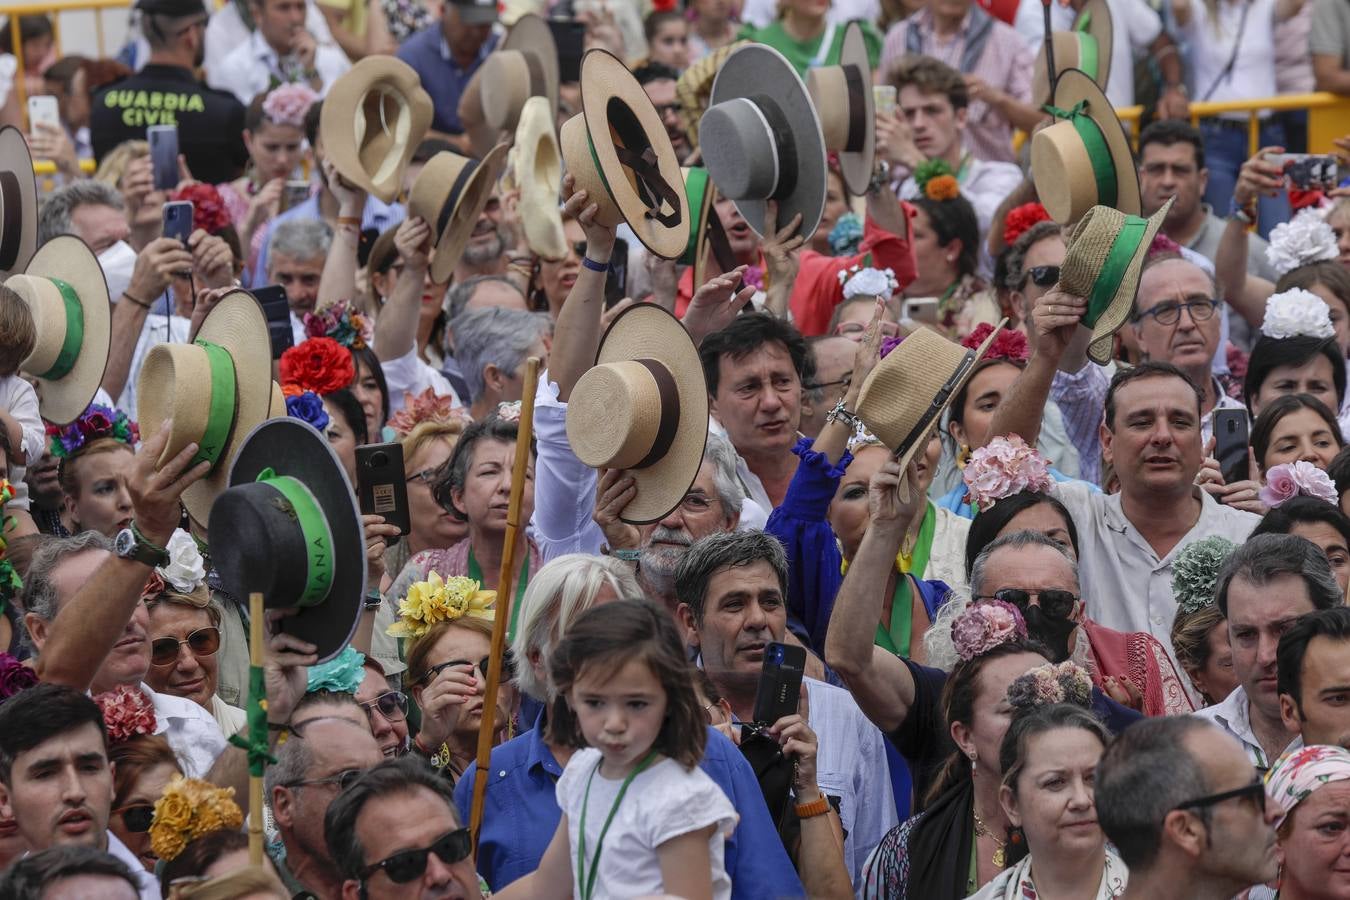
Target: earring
[
  {"x": 973, "y": 764},
  {"x": 1015, "y": 836},
  {"x": 962, "y": 456}
]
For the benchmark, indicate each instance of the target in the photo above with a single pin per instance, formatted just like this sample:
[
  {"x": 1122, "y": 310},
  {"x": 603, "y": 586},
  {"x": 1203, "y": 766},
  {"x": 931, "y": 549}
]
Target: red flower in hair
[
  {"x": 1008, "y": 344},
  {"x": 1299, "y": 199},
  {"x": 208, "y": 209},
  {"x": 1163, "y": 244},
  {"x": 320, "y": 364},
  {"x": 1020, "y": 219}
]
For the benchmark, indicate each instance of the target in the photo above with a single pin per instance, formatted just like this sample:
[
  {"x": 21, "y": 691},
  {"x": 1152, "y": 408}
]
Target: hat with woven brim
[
  {"x": 536, "y": 171},
  {"x": 1084, "y": 159},
  {"x": 706, "y": 234},
  {"x": 450, "y": 193},
  {"x": 843, "y": 98},
  {"x": 18, "y": 202},
  {"x": 524, "y": 66},
  {"x": 695, "y": 86},
  {"x": 1086, "y": 47},
  {"x": 215, "y": 390},
  {"x": 643, "y": 408},
  {"x": 372, "y": 120},
  {"x": 291, "y": 531},
  {"x": 64, "y": 288},
  {"x": 618, "y": 151},
  {"x": 761, "y": 139},
  {"x": 1105, "y": 257}
]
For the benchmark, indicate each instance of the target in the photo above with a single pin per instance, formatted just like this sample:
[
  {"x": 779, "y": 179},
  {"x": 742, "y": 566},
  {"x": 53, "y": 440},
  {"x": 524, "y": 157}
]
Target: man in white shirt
[{"x": 281, "y": 50}]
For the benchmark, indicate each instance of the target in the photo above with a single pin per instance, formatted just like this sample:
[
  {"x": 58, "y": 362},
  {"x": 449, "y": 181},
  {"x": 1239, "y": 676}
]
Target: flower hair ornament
[
  {"x": 441, "y": 600},
  {"x": 1045, "y": 685},
  {"x": 188, "y": 809},
  {"x": 127, "y": 712},
  {"x": 1302, "y": 240},
  {"x": 1297, "y": 313},
  {"x": 287, "y": 104},
  {"x": 320, "y": 364},
  {"x": 342, "y": 322},
  {"x": 861, "y": 281},
  {"x": 10, "y": 582},
  {"x": 1289, "y": 480},
  {"x": 1195, "y": 572},
  {"x": 307, "y": 406},
  {"x": 1010, "y": 343},
  {"x": 1003, "y": 467},
  {"x": 508, "y": 412},
  {"x": 342, "y": 673},
  {"x": 14, "y": 677},
  {"x": 936, "y": 180},
  {"x": 186, "y": 570},
  {"x": 427, "y": 406},
  {"x": 985, "y": 625},
  {"x": 208, "y": 207},
  {"x": 1020, "y": 220},
  {"x": 846, "y": 235},
  {"x": 98, "y": 421}
]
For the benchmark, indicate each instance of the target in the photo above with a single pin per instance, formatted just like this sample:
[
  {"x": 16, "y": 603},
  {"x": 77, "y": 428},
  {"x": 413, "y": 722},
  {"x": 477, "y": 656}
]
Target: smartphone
[
  {"x": 616, "y": 280},
  {"x": 164, "y": 155},
  {"x": 178, "y": 220},
  {"x": 1230, "y": 443},
  {"x": 294, "y": 193},
  {"x": 1308, "y": 171},
  {"x": 277, "y": 311},
  {"x": 922, "y": 309},
  {"x": 381, "y": 485},
  {"x": 780, "y": 682},
  {"x": 883, "y": 98},
  {"x": 42, "y": 109},
  {"x": 570, "y": 37}
]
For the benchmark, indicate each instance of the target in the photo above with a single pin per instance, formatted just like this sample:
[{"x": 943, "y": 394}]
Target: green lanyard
[
  {"x": 476, "y": 574},
  {"x": 897, "y": 638},
  {"x": 585, "y": 883}
]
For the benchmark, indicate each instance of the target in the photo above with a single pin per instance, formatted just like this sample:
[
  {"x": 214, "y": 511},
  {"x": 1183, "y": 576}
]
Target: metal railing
[{"x": 1328, "y": 116}]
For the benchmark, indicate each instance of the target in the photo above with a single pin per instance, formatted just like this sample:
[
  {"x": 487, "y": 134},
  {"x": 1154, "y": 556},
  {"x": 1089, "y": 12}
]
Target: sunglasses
[
  {"x": 508, "y": 667},
  {"x": 408, "y": 865},
  {"x": 344, "y": 779},
  {"x": 136, "y": 817},
  {"x": 1052, "y": 602},
  {"x": 202, "y": 642},
  {"x": 1043, "y": 276},
  {"x": 1256, "y": 792},
  {"x": 393, "y": 705}
]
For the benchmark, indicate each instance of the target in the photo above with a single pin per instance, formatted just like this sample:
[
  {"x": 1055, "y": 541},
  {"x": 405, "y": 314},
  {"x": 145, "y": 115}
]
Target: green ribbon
[
  {"x": 1112, "y": 273},
  {"x": 74, "y": 338},
  {"x": 599, "y": 169},
  {"x": 256, "y": 743},
  {"x": 896, "y": 639},
  {"x": 1094, "y": 142},
  {"x": 221, "y": 406},
  {"x": 1087, "y": 45},
  {"x": 696, "y": 189},
  {"x": 475, "y": 573},
  {"x": 314, "y": 529},
  {"x": 585, "y": 880}
]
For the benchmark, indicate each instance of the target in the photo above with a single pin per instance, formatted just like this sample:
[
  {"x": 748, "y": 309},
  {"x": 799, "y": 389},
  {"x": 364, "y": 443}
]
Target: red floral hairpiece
[
  {"x": 127, "y": 712},
  {"x": 320, "y": 364},
  {"x": 208, "y": 208},
  {"x": 1010, "y": 344},
  {"x": 1019, "y": 220}
]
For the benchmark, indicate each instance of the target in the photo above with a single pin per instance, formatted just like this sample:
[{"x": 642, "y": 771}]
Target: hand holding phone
[
  {"x": 43, "y": 110},
  {"x": 780, "y": 682},
  {"x": 1230, "y": 444},
  {"x": 382, "y": 486},
  {"x": 178, "y": 220},
  {"x": 277, "y": 311},
  {"x": 163, "y": 141}
]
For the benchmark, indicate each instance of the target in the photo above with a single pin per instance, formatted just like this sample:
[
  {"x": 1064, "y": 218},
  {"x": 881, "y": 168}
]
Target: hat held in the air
[
  {"x": 18, "y": 202},
  {"x": 450, "y": 193},
  {"x": 372, "y": 120},
  {"x": 843, "y": 98},
  {"x": 1086, "y": 46}
]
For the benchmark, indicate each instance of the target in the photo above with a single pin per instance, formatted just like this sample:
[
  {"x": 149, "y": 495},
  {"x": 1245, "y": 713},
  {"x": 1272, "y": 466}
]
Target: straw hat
[
  {"x": 64, "y": 288},
  {"x": 1105, "y": 257},
  {"x": 450, "y": 193},
  {"x": 843, "y": 98},
  {"x": 294, "y": 533},
  {"x": 372, "y": 120},
  {"x": 524, "y": 66},
  {"x": 761, "y": 139},
  {"x": 1087, "y": 47},
  {"x": 619, "y": 153},
  {"x": 643, "y": 407},
  {"x": 536, "y": 170},
  {"x": 695, "y": 86},
  {"x": 1084, "y": 159},
  {"x": 18, "y": 202},
  {"x": 706, "y": 234},
  {"x": 215, "y": 390}
]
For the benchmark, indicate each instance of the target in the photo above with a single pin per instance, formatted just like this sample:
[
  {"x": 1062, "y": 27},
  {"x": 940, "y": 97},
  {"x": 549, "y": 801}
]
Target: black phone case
[
  {"x": 1230, "y": 444},
  {"x": 382, "y": 485},
  {"x": 780, "y": 682}
]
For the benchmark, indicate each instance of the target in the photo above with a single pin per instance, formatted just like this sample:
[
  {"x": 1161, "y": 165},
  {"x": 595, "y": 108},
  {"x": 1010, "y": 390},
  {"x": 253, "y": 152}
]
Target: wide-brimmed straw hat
[
  {"x": 450, "y": 193},
  {"x": 618, "y": 151},
  {"x": 904, "y": 397},
  {"x": 695, "y": 86},
  {"x": 1105, "y": 257},
  {"x": 293, "y": 532},
  {"x": 524, "y": 66},
  {"x": 761, "y": 139},
  {"x": 1086, "y": 47},
  {"x": 643, "y": 407},
  {"x": 64, "y": 288},
  {"x": 1084, "y": 159},
  {"x": 215, "y": 390},
  {"x": 18, "y": 202},
  {"x": 706, "y": 234},
  {"x": 843, "y": 98},
  {"x": 372, "y": 120},
  {"x": 536, "y": 171}
]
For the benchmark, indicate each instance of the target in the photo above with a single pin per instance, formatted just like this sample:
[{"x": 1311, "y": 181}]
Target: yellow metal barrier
[{"x": 1328, "y": 116}]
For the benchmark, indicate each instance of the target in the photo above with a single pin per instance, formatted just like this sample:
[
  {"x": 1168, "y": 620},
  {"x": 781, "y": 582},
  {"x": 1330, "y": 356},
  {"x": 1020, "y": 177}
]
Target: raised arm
[
  {"x": 155, "y": 266},
  {"x": 1056, "y": 316},
  {"x": 1247, "y": 294},
  {"x": 576, "y": 337},
  {"x": 339, "y": 269},
  {"x": 396, "y": 325}
]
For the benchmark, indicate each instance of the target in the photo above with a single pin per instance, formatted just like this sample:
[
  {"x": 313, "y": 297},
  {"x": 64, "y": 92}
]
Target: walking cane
[
  {"x": 1049, "y": 48},
  {"x": 256, "y": 743},
  {"x": 504, "y": 597}
]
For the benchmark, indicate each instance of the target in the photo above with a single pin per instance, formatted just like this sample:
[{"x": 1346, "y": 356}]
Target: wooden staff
[
  {"x": 1049, "y": 47},
  {"x": 504, "y": 596},
  {"x": 255, "y": 782}
]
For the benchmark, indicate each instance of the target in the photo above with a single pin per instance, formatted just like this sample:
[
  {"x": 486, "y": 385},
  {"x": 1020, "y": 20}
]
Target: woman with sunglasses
[
  {"x": 142, "y": 765},
  {"x": 386, "y": 709},
  {"x": 184, "y": 636},
  {"x": 1311, "y": 789}
]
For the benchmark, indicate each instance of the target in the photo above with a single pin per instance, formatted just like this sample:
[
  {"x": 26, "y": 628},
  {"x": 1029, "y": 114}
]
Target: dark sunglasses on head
[
  {"x": 408, "y": 865},
  {"x": 1052, "y": 602},
  {"x": 137, "y": 817},
  {"x": 202, "y": 642},
  {"x": 391, "y": 704},
  {"x": 1256, "y": 792},
  {"x": 1043, "y": 276}
]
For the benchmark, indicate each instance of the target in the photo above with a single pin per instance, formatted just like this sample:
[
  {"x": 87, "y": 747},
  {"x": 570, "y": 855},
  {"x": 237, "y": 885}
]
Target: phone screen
[
  {"x": 277, "y": 311},
  {"x": 163, "y": 141},
  {"x": 616, "y": 279},
  {"x": 178, "y": 220}
]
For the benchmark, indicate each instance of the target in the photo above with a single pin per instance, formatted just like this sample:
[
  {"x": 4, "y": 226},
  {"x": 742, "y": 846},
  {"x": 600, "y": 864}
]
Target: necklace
[{"x": 981, "y": 830}]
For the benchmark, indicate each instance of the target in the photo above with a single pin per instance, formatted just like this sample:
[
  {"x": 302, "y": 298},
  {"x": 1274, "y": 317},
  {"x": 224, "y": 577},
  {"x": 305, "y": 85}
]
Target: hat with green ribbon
[
  {"x": 1084, "y": 159},
  {"x": 706, "y": 233},
  {"x": 1086, "y": 47},
  {"x": 18, "y": 202},
  {"x": 1103, "y": 262},
  {"x": 214, "y": 389},
  {"x": 288, "y": 528},
  {"x": 64, "y": 288}
]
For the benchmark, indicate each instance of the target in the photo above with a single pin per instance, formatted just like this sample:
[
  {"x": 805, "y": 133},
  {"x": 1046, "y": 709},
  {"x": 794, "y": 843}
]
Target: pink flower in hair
[
  {"x": 288, "y": 103},
  {"x": 984, "y": 626},
  {"x": 1288, "y": 480},
  {"x": 127, "y": 712},
  {"x": 1003, "y": 467}
]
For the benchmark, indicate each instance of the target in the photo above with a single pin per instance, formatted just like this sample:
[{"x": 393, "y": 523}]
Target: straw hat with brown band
[
  {"x": 372, "y": 120},
  {"x": 706, "y": 234},
  {"x": 1087, "y": 47},
  {"x": 524, "y": 66},
  {"x": 450, "y": 193},
  {"x": 618, "y": 151},
  {"x": 18, "y": 202},
  {"x": 695, "y": 86},
  {"x": 843, "y": 98}
]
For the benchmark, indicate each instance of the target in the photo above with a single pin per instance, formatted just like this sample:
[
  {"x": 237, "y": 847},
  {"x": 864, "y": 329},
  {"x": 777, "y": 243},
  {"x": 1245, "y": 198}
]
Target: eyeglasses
[
  {"x": 393, "y": 705},
  {"x": 136, "y": 817},
  {"x": 854, "y": 330},
  {"x": 1256, "y": 792},
  {"x": 508, "y": 666},
  {"x": 1169, "y": 312},
  {"x": 821, "y": 385},
  {"x": 407, "y": 865},
  {"x": 202, "y": 642},
  {"x": 426, "y": 476},
  {"x": 344, "y": 779},
  {"x": 1052, "y": 602},
  {"x": 1042, "y": 276}
]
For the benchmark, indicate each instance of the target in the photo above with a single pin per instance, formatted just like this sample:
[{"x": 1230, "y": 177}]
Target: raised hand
[{"x": 716, "y": 304}]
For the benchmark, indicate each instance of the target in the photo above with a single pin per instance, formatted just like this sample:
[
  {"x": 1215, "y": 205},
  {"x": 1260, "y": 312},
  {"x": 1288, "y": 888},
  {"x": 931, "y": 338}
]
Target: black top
[{"x": 210, "y": 122}]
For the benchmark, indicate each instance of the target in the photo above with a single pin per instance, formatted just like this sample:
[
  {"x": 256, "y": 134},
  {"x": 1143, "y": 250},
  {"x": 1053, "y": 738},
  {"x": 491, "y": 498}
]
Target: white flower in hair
[
  {"x": 1302, "y": 240},
  {"x": 869, "y": 283},
  {"x": 1297, "y": 313},
  {"x": 186, "y": 569}
]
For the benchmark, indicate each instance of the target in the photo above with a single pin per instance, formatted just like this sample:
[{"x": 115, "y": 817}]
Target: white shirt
[
  {"x": 20, "y": 400},
  {"x": 985, "y": 183},
  {"x": 410, "y": 374},
  {"x": 1134, "y": 28},
  {"x": 225, "y": 31},
  {"x": 191, "y": 731},
  {"x": 760, "y": 13},
  {"x": 156, "y": 330},
  {"x": 252, "y": 66},
  {"x": 1233, "y": 715},
  {"x": 1210, "y": 47},
  {"x": 149, "y": 884}
]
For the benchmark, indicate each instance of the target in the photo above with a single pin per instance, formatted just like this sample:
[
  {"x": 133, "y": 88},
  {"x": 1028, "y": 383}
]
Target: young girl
[{"x": 639, "y": 816}]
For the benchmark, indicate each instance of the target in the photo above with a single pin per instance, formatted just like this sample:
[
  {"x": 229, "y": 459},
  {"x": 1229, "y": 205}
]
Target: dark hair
[
  {"x": 426, "y": 149},
  {"x": 1147, "y": 369},
  {"x": 957, "y": 411},
  {"x": 952, "y": 220},
  {"x": 931, "y": 76},
  {"x": 63, "y": 71},
  {"x": 1015, "y": 257},
  {"x": 722, "y": 550},
  {"x": 1270, "y": 353},
  {"x": 30, "y": 28},
  {"x": 651, "y": 25},
  {"x": 254, "y": 117},
  {"x": 36, "y": 715},
  {"x": 1328, "y": 272},
  {"x": 365, "y": 356},
  {"x": 456, "y": 470},
  {"x": 1339, "y": 470},
  {"x": 403, "y": 775},
  {"x": 132, "y": 757},
  {"x": 609, "y": 636},
  {"x": 1264, "y": 557},
  {"x": 201, "y": 854},
  {"x": 1276, "y": 410},
  {"x": 7, "y": 450},
  {"x": 30, "y": 876},
  {"x": 1333, "y": 623},
  {"x": 744, "y": 336},
  {"x": 312, "y": 121},
  {"x": 351, "y": 410},
  {"x": 985, "y": 527},
  {"x": 1173, "y": 131},
  {"x": 1303, "y": 510},
  {"x": 654, "y": 71}
]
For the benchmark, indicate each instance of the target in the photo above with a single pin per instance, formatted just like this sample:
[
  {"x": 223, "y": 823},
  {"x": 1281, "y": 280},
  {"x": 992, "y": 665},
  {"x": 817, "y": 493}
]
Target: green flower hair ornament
[
  {"x": 929, "y": 169},
  {"x": 1195, "y": 572},
  {"x": 342, "y": 673},
  {"x": 10, "y": 583}
]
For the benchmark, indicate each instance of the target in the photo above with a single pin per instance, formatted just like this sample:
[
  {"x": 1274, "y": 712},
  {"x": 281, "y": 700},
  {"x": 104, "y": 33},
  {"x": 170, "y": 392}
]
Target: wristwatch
[{"x": 132, "y": 545}]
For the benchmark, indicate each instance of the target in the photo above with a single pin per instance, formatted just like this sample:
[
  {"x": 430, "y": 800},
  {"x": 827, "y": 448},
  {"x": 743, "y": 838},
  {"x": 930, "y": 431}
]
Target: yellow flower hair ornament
[
  {"x": 188, "y": 809},
  {"x": 436, "y": 600}
]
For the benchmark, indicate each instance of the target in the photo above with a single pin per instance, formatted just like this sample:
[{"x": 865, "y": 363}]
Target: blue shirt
[
  {"x": 521, "y": 814},
  {"x": 442, "y": 78},
  {"x": 377, "y": 215}
]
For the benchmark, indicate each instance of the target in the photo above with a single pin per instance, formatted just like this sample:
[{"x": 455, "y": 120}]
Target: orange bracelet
[{"x": 817, "y": 807}]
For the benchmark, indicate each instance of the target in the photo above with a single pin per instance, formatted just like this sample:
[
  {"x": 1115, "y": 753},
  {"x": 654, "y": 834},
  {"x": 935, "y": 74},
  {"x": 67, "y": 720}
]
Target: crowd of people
[{"x": 821, "y": 431}]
